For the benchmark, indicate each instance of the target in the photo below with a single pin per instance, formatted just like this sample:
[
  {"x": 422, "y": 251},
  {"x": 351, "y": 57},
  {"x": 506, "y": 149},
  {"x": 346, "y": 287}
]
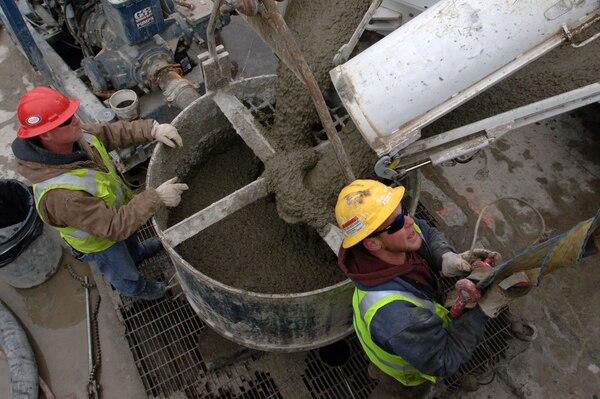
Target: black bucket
[{"x": 23, "y": 264}]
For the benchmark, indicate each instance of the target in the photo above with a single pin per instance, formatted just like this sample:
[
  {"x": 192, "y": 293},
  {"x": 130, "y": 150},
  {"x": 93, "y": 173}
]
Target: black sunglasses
[
  {"x": 66, "y": 123},
  {"x": 395, "y": 226}
]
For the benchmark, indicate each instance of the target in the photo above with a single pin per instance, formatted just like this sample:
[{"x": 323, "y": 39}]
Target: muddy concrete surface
[
  {"x": 528, "y": 163},
  {"x": 551, "y": 166},
  {"x": 53, "y": 314},
  {"x": 17, "y": 78}
]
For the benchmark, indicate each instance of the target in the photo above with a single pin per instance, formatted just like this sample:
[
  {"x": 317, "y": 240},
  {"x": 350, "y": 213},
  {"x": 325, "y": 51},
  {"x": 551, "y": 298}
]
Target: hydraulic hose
[{"x": 20, "y": 356}]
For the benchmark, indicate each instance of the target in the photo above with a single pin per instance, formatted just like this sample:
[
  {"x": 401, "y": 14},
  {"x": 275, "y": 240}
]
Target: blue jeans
[{"x": 117, "y": 264}]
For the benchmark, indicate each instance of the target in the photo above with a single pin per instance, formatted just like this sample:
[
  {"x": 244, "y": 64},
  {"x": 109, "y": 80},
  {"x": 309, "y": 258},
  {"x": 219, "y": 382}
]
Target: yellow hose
[{"x": 565, "y": 250}]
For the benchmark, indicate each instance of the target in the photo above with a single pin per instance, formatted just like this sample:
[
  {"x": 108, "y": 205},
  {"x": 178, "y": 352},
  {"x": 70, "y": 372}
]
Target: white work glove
[
  {"x": 460, "y": 264},
  {"x": 170, "y": 192},
  {"x": 166, "y": 134},
  {"x": 493, "y": 300},
  {"x": 454, "y": 265}
]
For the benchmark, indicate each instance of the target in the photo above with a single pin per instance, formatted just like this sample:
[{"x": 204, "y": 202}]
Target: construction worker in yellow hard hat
[
  {"x": 78, "y": 191},
  {"x": 394, "y": 260}
]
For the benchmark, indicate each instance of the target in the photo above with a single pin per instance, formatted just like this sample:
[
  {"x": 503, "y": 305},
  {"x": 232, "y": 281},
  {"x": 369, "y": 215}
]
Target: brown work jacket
[{"x": 62, "y": 207}]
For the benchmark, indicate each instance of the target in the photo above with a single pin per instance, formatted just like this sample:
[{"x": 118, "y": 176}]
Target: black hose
[
  {"x": 21, "y": 360},
  {"x": 75, "y": 31}
]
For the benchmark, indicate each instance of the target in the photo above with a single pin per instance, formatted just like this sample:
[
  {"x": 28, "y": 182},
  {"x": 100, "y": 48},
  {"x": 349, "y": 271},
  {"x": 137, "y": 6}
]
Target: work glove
[
  {"x": 481, "y": 254},
  {"x": 166, "y": 134},
  {"x": 454, "y": 265},
  {"x": 170, "y": 192},
  {"x": 460, "y": 264},
  {"x": 492, "y": 302}
]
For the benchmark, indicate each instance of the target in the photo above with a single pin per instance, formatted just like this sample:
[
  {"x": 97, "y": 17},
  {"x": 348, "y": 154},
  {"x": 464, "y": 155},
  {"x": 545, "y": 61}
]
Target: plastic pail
[
  {"x": 125, "y": 104},
  {"x": 28, "y": 254}
]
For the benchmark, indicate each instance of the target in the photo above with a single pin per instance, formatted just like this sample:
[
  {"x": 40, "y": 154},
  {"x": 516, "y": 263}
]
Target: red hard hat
[{"x": 42, "y": 109}]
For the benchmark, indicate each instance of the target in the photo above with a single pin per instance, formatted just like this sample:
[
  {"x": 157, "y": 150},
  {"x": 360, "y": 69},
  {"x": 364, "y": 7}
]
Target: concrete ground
[{"x": 554, "y": 166}]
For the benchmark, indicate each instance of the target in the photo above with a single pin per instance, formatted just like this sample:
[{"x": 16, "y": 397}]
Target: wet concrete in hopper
[{"x": 252, "y": 249}]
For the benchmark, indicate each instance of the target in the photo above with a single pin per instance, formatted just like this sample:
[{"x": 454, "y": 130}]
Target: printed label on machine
[{"x": 143, "y": 17}]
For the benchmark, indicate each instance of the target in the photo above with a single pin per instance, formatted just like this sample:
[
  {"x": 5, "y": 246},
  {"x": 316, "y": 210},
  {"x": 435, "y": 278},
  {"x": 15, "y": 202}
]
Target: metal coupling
[{"x": 176, "y": 89}]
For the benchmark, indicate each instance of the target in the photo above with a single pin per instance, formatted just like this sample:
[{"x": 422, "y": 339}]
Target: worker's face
[
  {"x": 68, "y": 134},
  {"x": 404, "y": 240}
]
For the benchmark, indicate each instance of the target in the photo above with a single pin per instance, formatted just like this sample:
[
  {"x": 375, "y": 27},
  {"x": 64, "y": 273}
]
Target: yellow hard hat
[{"x": 363, "y": 206}]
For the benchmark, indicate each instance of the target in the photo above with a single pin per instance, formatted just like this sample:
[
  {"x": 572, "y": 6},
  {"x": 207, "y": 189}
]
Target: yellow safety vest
[
  {"x": 107, "y": 186},
  {"x": 366, "y": 304}
]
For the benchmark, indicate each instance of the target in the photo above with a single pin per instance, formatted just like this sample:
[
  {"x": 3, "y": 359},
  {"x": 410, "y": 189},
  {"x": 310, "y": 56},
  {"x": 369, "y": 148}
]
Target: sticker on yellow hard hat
[
  {"x": 386, "y": 198},
  {"x": 353, "y": 226}
]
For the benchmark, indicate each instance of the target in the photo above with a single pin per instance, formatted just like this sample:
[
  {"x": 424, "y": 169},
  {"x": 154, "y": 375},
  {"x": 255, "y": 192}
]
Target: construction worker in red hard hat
[
  {"x": 394, "y": 261},
  {"x": 78, "y": 191}
]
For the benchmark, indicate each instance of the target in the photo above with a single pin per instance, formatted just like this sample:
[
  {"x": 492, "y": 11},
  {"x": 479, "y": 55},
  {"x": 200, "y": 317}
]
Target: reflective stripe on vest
[
  {"x": 86, "y": 181},
  {"x": 366, "y": 304},
  {"x": 372, "y": 297},
  {"x": 373, "y": 353},
  {"x": 106, "y": 186}
]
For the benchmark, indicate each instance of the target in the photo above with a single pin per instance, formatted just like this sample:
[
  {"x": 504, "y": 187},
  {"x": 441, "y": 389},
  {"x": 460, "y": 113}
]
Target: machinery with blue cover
[
  {"x": 140, "y": 44},
  {"x": 91, "y": 48}
]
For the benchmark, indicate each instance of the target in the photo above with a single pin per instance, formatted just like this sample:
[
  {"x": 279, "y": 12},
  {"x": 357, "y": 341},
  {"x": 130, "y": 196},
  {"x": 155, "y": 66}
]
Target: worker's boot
[
  {"x": 523, "y": 330},
  {"x": 468, "y": 382},
  {"x": 151, "y": 247},
  {"x": 153, "y": 290}
]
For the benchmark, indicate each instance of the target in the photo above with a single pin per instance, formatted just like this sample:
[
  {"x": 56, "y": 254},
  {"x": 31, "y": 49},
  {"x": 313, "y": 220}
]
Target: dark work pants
[{"x": 117, "y": 264}]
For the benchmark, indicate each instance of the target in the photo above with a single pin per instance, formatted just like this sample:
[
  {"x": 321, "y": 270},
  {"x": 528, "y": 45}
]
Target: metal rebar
[{"x": 90, "y": 342}]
